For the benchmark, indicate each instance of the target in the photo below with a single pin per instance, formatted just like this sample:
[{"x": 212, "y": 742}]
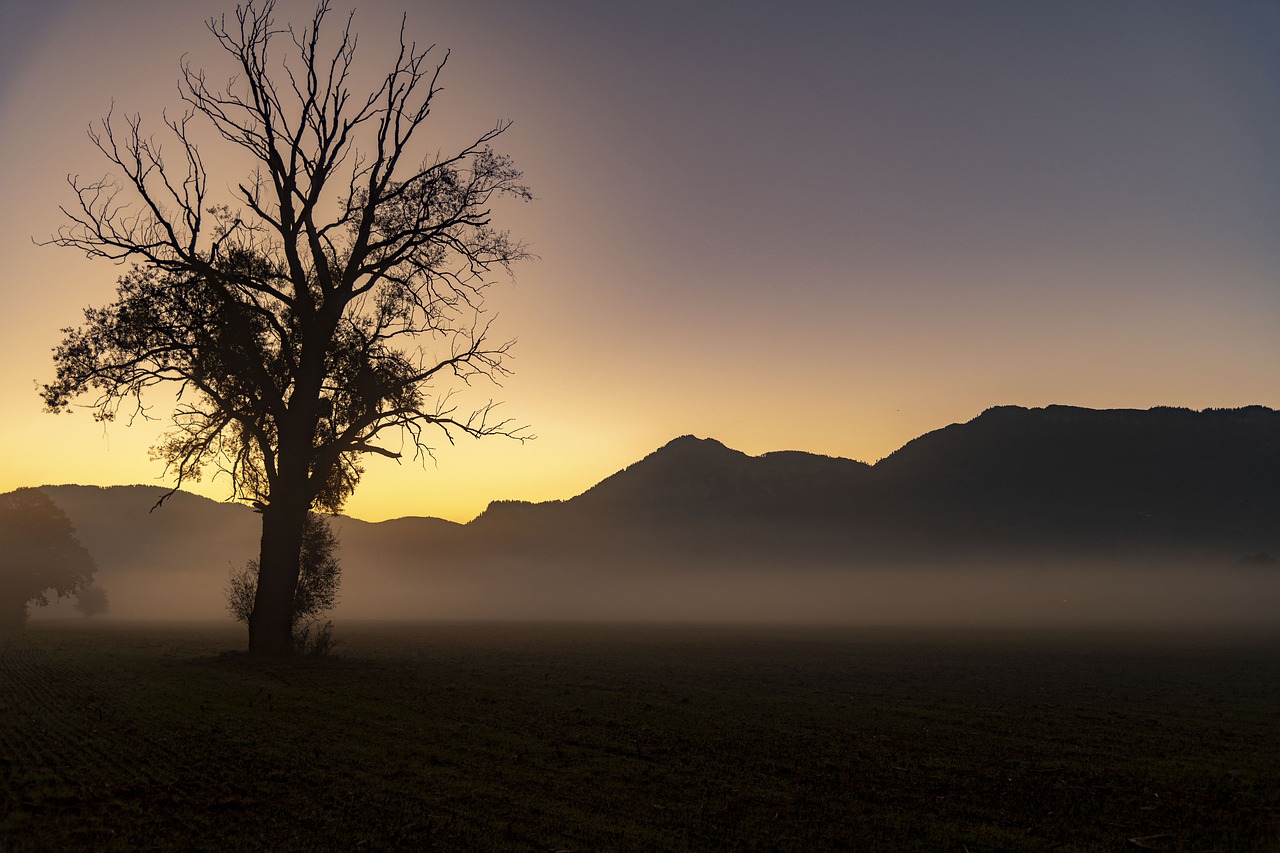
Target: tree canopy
[
  {"x": 39, "y": 555},
  {"x": 92, "y": 600}
]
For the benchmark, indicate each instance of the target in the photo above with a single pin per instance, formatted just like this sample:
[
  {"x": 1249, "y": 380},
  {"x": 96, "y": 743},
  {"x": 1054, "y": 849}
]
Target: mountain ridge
[
  {"x": 1014, "y": 486},
  {"x": 1067, "y": 478}
]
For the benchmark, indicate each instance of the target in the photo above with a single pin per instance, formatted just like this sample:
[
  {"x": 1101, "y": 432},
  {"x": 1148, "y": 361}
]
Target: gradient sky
[{"x": 824, "y": 226}]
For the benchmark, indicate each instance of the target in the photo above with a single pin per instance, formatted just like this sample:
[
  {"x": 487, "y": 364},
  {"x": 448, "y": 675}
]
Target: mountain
[
  {"x": 1070, "y": 479},
  {"x": 1014, "y": 488},
  {"x": 690, "y": 496},
  {"x": 122, "y": 524},
  {"x": 1014, "y": 482}
]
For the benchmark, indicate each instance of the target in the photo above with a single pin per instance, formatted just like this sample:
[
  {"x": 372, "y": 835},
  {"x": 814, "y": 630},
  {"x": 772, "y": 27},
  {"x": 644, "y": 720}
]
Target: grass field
[{"x": 579, "y": 737}]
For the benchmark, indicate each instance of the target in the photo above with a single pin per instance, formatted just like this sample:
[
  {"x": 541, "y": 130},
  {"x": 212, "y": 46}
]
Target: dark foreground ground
[{"x": 538, "y": 737}]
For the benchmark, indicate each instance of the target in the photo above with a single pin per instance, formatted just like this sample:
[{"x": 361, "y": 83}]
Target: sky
[{"x": 819, "y": 226}]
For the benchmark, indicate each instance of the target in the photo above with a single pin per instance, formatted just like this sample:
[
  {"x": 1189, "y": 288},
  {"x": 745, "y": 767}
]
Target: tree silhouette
[
  {"x": 39, "y": 554},
  {"x": 91, "y": 600},
  {"x": 316, "y": 313}
]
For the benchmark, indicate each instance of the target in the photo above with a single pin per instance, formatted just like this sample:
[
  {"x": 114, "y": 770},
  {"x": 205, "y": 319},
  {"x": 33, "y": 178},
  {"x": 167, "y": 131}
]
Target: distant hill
[
  {"x": 171, "y": 563},
  {"x": 1014, "y": 487},
  {"x": 1069, "y": 480},
  {"x": 118, "y": 526},
  {"x": 1013, "y": 482}
]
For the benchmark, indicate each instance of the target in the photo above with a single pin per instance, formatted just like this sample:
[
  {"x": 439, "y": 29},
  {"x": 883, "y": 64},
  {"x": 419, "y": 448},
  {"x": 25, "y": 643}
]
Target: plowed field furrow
[
  {"x": 20, "y": 670},
  {"x": 63, "y": 732},
  {"x": 125, "y": 739},
  {"x": 36, "y": 686}
]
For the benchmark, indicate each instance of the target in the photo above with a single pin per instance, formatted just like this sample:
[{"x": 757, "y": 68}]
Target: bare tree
[{"x": 316, "y": 313}]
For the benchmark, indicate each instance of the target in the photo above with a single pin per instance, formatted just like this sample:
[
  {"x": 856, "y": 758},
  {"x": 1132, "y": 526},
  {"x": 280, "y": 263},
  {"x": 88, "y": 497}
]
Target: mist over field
[
  {"x": 915, "y": 596},
  {"x": 178, "y": 575}
]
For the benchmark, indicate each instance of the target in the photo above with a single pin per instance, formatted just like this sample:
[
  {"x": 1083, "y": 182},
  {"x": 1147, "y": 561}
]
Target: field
[{"x": 596, "y": 737}]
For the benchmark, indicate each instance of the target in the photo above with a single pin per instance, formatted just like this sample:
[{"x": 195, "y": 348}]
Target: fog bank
[{"x": 1058, "y": 595}]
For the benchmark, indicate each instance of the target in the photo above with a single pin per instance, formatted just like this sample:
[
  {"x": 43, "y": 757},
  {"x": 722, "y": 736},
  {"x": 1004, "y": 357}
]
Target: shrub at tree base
[
  {"x": 313, "y": 639},
  {"x": 317, "y": 590}
]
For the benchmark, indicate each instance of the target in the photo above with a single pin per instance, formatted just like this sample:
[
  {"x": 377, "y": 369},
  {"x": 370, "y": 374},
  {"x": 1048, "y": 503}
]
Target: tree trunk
[
  {"x": 285, "y": 516},
  {"x": 271, "y": 623}
]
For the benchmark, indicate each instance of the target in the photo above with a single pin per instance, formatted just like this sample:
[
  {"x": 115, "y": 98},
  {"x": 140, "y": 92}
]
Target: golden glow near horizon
[{"x": 896, "y": 220}]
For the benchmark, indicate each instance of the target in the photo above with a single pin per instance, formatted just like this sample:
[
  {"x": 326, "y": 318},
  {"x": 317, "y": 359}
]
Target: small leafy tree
[
  {"x": 317, "y": 591},
  {"x": 39, "y": 555},
  {"x": 91, "y": 601}
]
